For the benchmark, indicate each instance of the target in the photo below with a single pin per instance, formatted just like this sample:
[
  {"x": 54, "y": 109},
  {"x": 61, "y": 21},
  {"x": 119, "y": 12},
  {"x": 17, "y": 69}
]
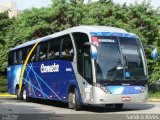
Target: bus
[{"x": 81, "y": 65}]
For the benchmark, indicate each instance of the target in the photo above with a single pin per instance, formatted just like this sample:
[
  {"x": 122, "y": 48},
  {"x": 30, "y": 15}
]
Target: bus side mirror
[
  {"x": 154, "y": 53},
  {"x": 93, "y": 50}
]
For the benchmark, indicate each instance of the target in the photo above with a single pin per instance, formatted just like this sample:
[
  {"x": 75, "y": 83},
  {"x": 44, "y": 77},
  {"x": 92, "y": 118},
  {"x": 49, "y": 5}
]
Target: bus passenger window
[
  {"x": 42, "y": 56},
  {"x": 67, "y": 48},
  {"x": 24, "y": 55},
  {"x": 16, "y": 57},
  {"x": 43, "y": 51},
  {"x": 11, "y": 58},
  {"x": 52, "y": 55},
  {"x": 33, "y": 55},
  {"x": 54, "y": 48},
  {"x": 33, "y": 58}
]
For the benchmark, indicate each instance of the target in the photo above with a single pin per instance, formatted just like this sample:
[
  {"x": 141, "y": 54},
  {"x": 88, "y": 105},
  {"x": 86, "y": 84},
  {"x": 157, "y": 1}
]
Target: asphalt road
[{"x": 47, "y": 110}]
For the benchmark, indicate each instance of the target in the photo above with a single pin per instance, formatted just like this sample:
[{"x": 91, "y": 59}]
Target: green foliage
[
  {"x": 3, "y": 83},
  {"x": 5, "y": 23},
  {"x": 140, "y": 19},
  {"x": 154, "y": 95}
]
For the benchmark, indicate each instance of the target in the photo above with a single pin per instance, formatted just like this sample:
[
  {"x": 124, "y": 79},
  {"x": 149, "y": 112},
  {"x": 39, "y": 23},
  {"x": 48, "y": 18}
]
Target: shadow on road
[
  {"x": 50, "y": 103},
  {"x": 29, "y": 112},
  {"x": 89, "y": 108},
  {"x": 127, "y": 107},
  {"x": 96, "y": 108}
]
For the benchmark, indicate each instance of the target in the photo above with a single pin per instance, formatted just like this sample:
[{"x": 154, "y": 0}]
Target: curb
[
  {"x": 153, "y": 100},
  {"x": 7, "y": 95}
]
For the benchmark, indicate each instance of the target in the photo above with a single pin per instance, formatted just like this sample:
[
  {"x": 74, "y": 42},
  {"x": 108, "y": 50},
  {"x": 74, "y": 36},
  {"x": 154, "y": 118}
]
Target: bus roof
[{"x": 83, "y": 29}]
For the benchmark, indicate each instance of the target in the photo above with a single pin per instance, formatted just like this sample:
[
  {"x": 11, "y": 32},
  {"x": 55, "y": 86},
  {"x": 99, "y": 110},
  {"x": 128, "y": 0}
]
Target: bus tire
[
  {"x": 118, "y": 106},
  {"x": 24, "y": 95},
  {"x": 18, "y": 94},
  {"x": 70, "y": 100},
  {"x": 76, "y": 97}
]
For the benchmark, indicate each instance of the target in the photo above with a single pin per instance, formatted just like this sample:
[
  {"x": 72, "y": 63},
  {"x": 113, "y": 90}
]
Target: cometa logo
[{"x": 49, "y": 68}]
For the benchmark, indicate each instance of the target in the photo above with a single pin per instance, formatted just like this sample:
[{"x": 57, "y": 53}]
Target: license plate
[{"x": 126, "y": 99}]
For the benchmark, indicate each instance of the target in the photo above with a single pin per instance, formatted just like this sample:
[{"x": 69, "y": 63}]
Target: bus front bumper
[{"x": 102, "y": 97}]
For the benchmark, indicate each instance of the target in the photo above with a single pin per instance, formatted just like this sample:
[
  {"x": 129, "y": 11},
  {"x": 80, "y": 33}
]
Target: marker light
[{"x": 95, "y": 40}]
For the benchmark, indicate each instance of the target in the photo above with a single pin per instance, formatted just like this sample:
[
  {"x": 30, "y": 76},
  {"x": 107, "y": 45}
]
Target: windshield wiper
[{"x": 126, "y": 62}]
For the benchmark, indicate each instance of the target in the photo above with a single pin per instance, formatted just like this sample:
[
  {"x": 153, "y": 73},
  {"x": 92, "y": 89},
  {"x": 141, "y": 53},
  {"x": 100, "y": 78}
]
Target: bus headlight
[{"x": 104, "y": 88}]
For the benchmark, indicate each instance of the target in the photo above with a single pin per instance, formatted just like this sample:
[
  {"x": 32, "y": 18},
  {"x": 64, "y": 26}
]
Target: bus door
[
  {"x": 84, "y": 66},
  {"x": 87, "y": 74}
]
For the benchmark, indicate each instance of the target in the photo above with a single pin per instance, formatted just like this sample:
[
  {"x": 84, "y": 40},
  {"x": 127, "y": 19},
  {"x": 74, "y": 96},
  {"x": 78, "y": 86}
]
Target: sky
[{"x": 27, "y": 4}]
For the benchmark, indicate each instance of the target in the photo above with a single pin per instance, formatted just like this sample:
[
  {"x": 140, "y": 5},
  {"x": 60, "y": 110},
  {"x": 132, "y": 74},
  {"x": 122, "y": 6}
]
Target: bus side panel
[
  {"x": 13, "y": 77},
  {"x": 50, "y": 79}
]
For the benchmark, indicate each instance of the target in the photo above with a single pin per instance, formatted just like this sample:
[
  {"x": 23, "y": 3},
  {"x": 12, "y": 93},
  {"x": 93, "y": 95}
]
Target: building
[{"x": 11, "y": 6}]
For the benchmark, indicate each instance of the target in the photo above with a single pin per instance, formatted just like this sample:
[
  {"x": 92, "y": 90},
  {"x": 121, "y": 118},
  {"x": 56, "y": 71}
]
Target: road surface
[{"x": 45, "y": 109}]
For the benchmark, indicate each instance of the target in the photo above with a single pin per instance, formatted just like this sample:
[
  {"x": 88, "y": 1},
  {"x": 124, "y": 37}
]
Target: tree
[
  {"x": 140, "y": 19},
  {"x": 5, "y": 23}
]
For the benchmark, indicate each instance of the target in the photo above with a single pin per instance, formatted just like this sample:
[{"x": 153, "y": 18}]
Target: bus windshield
[{"x": 119, "y": 58}]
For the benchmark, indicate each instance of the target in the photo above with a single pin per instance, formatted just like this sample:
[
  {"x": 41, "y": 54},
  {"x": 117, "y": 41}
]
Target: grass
[
  {"x": 154, "y": 95},
  {"x": 6, "y": 95},
  {"x": 3, "y": 83}
]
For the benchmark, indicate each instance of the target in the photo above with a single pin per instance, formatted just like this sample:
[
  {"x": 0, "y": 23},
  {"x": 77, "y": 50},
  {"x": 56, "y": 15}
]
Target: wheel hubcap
[
  {"x": 73, "y": 98},
  {"x": 24, "y": 94}
]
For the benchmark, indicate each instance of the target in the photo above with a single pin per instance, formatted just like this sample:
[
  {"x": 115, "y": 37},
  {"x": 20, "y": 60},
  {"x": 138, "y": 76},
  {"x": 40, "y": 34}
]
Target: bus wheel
[
  {"x": 70, "y": 100},
  {"x": 18, "y": 94},
  {"x": 24, "y": 95},
  {"x": 118, "y": 106},
  {"x": 73, "y": 100},
  {"x": 76, "y": 100}
]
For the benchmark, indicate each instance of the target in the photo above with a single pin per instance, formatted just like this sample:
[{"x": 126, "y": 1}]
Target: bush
[
  {"x": 3, "y": 84},
  {"x": 3, "y": 89}
]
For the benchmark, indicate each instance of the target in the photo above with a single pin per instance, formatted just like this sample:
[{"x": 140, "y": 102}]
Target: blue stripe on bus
[
  {"x": 43, "y": 82},
  {"x": 44, "y": 85},
  {"x": 36, "y": 88},
  {"x": 125, "y": 89},
  {"x": 28, "y": 78},
  {"x": 38, "y": 83},
  {"x": 113, "y": 34}
]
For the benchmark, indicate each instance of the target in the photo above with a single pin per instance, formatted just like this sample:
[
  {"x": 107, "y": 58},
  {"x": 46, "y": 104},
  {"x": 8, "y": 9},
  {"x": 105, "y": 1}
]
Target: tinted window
[
  {"x": 23, "y": 54},
  {"x": 87, "y": 67},
  {"x": 54, "y": 48},
  {"x": 17, "y": 57},
  {"x": 33, "y": 56},
  {"x": 67, "y": 48},
  {"x": 10, "y": 58},
  {"x": 42, "y": 51},
  {"x": 83, "y": 56}
]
